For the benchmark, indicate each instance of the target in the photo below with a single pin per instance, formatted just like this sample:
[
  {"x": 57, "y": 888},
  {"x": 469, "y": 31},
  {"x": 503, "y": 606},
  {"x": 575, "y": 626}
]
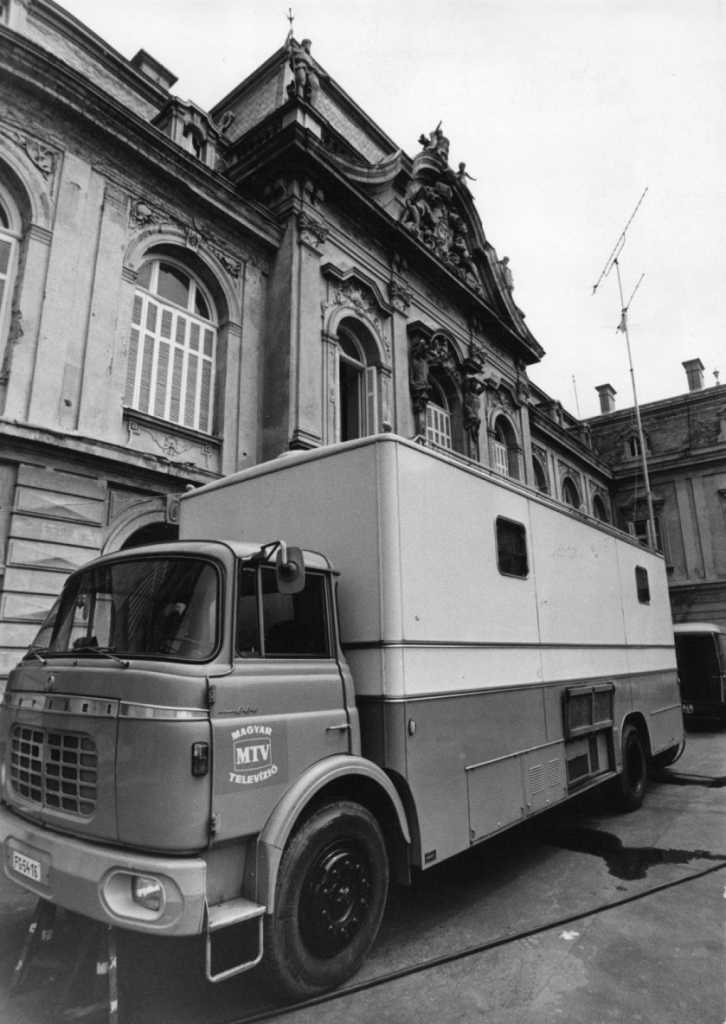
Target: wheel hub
[{"x": 334, "y": 900}]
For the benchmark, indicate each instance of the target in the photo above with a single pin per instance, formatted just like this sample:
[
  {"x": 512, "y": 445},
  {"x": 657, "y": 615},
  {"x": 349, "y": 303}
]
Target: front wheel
[
  {"x": 329, "y": 900},
  {"x": 635, "y": 771}
]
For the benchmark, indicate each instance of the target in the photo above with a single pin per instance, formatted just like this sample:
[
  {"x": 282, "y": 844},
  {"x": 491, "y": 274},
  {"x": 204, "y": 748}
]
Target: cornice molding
[{"x": 38, "y": 70}]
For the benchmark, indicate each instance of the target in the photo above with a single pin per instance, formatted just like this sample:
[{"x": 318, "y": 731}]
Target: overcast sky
[{"x": 564, "y": 111}]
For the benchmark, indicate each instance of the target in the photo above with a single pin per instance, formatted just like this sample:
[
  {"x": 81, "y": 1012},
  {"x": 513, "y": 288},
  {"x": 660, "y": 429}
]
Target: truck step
[{"x": 233, "y": 912}]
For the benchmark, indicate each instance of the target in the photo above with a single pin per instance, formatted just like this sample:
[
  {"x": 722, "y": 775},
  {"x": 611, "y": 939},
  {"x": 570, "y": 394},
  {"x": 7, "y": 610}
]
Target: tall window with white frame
[
  {"x": 438, "y": 417},
  {"x": 357, "y": 389},
  {"x": 505, "y": 449},
  {"x": 173, "y": 345},
  {"x": 10, "y": 228}
]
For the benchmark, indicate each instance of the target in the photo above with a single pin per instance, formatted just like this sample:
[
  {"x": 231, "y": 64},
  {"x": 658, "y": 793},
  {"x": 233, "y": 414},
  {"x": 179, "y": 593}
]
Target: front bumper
[{"x": 95, "y": 880}]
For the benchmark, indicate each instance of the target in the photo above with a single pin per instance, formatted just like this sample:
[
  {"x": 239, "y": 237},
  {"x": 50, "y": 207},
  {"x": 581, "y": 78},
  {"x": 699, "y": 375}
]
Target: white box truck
[{"x": 227, "y": 732}]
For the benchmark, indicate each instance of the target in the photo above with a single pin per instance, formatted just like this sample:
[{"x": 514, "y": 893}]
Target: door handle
[{"x": 338, "y": 728}]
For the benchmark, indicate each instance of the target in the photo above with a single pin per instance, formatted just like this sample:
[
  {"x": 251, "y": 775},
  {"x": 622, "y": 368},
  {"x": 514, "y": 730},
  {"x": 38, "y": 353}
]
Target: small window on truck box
[
  {"x": 641, "y": 583},
  {"x": 290, "y": 625},
  {"x": 511, "y": 548}
]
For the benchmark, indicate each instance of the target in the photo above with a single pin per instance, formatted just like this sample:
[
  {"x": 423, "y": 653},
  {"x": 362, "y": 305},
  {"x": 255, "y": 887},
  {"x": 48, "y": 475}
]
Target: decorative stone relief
[
  {"x": 231, "y": 265},
  {"x": 722, "y": 424},
  {"x": 43, "y": 157},
  {"x": 501, "y": 397},
  {"x": 400, "y": 296},
  {"x": 312, "y": 193},
  {"x": 172, "y": 446},
  {"x": 361, "y": 300},
  {"x": 473, "y": 386},
  {"x": 433, "y": 209},
  {"x": 312, "y": 231},
  {"x": 427, "y": 351},
  {"x": 523, "y": 390},
  {"x": 226, "y": 121},
  {"x": 143, "y": 215}
]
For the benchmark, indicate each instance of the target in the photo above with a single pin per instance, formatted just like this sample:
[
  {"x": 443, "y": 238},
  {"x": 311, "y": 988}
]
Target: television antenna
[{"x": 613, "y": 261}]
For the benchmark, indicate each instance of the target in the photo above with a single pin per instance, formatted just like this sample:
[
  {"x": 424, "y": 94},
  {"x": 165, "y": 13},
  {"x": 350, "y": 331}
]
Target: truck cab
[{"x": 173, "y": 696}]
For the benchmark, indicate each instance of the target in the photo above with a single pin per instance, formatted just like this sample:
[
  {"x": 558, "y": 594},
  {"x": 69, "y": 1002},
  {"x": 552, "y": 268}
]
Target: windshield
[{"x": 151, "y": 607}]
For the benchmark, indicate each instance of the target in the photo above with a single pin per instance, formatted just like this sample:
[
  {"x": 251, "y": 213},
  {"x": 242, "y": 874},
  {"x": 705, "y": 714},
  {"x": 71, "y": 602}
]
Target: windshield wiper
[
  {"x": 106, "y": 652},
  {"x": 35, "y": 651}
]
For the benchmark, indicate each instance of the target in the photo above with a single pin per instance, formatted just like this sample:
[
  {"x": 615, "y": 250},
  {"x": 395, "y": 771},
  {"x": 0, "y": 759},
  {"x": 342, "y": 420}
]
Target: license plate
[
  {"x": 688, "y": 709},
  {"x": 26, "y": 866}
]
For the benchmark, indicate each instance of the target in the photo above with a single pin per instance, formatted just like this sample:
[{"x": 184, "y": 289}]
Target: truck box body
[{"x": 460, "y": 669}]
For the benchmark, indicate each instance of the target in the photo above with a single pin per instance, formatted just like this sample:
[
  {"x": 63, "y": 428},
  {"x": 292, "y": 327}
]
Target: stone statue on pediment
[
  {"x": 506, "y": 273},
  {"x": 306, "y": 71},
  {"x": 437, "y": 143},
  {"x": 462, "y": 175}
]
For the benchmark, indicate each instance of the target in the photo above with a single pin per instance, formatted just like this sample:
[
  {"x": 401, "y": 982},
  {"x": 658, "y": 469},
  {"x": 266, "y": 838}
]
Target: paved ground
[{"x": 588, "y": 917}]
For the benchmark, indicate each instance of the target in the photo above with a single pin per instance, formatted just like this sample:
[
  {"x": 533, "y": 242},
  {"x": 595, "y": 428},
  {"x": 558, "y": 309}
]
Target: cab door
[{"x": 282, "y": 708}]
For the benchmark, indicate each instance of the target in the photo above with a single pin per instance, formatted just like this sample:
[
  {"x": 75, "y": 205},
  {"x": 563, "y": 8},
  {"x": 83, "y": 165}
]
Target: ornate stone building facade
[
  {"x": 685, "y": 438},
  {"x": 185, "y": 293}
]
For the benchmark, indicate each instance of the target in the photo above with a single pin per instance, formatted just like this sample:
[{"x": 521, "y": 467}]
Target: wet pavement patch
[
  {"x": 625, "y": 862},
  {"x": 678, "y": 779}
]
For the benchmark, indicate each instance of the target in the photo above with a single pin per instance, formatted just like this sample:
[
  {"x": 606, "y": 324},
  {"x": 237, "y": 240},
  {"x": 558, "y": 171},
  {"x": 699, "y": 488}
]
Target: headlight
[{"x": 147, "y": 892}]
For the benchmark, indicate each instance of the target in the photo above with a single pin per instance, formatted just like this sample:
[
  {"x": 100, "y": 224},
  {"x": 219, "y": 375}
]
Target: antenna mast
[{"x": 623, "y": 326}]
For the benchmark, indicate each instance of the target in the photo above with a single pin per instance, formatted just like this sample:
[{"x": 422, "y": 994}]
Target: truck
[
  {"x": 356, "y": 662},
  {"x": 701, "y": 660}
]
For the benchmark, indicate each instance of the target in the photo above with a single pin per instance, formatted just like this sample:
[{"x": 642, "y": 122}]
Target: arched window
[
  {"x": 173, "y": 345},
  {"x": 570, "y": 493},
  {"x": 357, "y": 384},
  {"x": 438, "y": 416},
  {"x": 505, "y": 448},
  {"x": 540, "y": 475},
  {"x": 10, "y": 229},
  {"x": 599, "y": 509},
  {"x": 192, "y": 141}
]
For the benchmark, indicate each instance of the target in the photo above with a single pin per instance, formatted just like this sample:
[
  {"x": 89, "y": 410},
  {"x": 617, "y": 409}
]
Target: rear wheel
[
  {"x": 329, "y": 900},
  {"x": 633, "y": 777}
]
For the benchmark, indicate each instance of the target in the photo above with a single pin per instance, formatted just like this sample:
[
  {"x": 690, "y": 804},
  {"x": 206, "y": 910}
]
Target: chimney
[
  {"x": 151, "y": 67},
  {"x": 694, "y": 371},
  {"x": 607, "y": 395}
]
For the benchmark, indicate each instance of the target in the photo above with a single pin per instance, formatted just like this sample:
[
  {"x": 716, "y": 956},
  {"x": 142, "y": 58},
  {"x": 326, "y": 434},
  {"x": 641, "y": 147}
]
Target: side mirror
[{"x": 289, "y": 570}]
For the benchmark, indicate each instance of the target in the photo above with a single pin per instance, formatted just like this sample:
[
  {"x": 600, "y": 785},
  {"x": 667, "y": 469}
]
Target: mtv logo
[{"x": 253, "y": 752}]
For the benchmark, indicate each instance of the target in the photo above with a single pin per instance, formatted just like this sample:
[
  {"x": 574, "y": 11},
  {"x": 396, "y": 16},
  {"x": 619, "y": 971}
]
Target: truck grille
[{"x": 54, "y": 769}]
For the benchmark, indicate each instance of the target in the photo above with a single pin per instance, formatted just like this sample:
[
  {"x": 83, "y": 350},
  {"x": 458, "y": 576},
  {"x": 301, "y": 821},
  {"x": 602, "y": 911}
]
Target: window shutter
[
  {"x": 205, "y": 395},
  {"x": 131, "y": 369},
  {"x": 176, "y": 385},
  {"x": 6, "y": 248},
  {"x": 371, "y": 383},
  {"x": 162, "y": 373},
  {"x": 191, "y": 390},
  {"x": 147, "y": 367},
  {"x": 133, "y": 350}
]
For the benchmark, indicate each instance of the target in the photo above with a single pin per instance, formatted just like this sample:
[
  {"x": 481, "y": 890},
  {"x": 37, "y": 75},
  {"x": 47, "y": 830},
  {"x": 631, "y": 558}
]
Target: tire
[
  {"x": 329, "y": 900},
  {"x": 633, "y": 777}
]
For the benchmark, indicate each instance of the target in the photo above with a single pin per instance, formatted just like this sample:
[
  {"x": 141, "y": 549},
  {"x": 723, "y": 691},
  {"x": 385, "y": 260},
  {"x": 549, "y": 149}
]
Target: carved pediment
[{"x": 350, "y": 286}]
